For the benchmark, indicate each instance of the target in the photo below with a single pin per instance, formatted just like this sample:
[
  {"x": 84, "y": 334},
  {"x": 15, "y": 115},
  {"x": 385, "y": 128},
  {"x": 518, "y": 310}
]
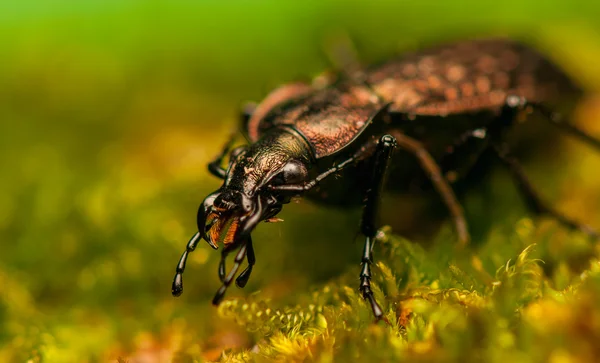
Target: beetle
[{"x": 444, "y": 106}]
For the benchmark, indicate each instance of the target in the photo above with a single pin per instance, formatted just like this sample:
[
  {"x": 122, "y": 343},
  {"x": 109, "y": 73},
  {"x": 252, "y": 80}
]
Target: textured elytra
[
  {"x": 463, "y": 77},
  {"x": 466, "y": 77}
]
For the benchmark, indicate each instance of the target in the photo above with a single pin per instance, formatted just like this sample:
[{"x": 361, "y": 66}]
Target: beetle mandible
[{"x": 468, "y": 92}]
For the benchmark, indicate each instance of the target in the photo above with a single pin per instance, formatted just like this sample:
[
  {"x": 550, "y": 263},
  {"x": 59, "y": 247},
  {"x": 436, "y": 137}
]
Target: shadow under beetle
[{"x": 444, "y": 106}]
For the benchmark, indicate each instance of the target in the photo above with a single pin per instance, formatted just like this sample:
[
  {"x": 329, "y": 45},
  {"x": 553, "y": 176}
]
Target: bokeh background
[{"x": 110, "y": 110}]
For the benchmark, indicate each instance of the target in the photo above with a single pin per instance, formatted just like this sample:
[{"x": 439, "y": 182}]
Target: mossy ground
[{"x": 110, "y": 111}]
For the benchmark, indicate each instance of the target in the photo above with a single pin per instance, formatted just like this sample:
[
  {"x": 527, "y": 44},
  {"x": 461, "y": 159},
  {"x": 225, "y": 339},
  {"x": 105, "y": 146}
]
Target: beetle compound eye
[{"x": 294, "y": 172}]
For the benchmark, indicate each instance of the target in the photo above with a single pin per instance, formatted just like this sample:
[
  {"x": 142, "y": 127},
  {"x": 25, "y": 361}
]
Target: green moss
[{"x": 495, "y": 322}]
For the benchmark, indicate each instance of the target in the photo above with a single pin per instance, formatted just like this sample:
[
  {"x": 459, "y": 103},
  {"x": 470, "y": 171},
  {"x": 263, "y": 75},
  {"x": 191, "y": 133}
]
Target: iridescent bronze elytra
[{"x": 443, "y": 106}]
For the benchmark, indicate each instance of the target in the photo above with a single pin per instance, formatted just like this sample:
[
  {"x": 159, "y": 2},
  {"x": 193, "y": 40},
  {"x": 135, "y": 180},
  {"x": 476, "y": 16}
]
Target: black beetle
[{"x": 445, "y": 106}]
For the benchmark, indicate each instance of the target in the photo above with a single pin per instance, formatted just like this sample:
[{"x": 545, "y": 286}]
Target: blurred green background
[{"x": 110, "y": 110}]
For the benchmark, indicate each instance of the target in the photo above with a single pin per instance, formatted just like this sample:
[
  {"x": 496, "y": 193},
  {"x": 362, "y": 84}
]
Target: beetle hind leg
[
  {"x": 557, "y": 120},
  {"x": 533, "y": 201}
]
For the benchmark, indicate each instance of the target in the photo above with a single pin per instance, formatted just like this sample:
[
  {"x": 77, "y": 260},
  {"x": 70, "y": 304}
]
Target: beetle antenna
[
  {"x": 340, "y": 50},
  {"x": 177, "y": 287},
  {"x": 342, "y": 53}
]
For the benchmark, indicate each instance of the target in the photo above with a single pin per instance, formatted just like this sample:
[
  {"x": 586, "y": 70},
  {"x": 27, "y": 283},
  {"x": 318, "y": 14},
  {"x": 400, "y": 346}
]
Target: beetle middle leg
[
  {"x": 381, "y": 160},
  {"x": 533, "y": 201},
  {"x": 440, "y": 183}
]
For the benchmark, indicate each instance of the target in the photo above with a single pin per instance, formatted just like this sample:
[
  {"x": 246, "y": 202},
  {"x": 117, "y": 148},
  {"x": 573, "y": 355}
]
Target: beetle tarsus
[{"x": 365, "y": 279}]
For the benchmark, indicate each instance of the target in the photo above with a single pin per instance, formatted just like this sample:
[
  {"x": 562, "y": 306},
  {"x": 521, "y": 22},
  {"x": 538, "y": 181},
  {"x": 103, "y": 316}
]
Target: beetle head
[{"x": 245, "y": 199}]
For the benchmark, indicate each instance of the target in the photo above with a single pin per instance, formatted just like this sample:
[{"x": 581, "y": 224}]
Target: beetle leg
[
  {"x": 214, "y": 167},
  {"x": 245, "y": 116},
  {"x": 239, "y": 258},
  {"x": 439, "y": 181},
  {"x": 557, "y": 120},
  {"x": 381, "y": 159},
  {"x": 533, "y": 201},
  {"x": 243, "y": 277},
  {"x": 177, "y": 287},
  {"x": 463, "y": 154}
]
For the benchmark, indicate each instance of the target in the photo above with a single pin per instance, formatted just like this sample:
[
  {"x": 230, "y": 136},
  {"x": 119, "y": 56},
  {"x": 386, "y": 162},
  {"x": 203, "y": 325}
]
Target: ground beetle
[{"x": 444, "y": 107}]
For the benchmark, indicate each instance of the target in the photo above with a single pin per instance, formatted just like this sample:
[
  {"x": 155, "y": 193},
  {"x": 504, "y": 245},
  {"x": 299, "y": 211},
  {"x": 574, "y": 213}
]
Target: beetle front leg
[
  {"x": 381, "y": 160},
  {"x": 214, "y": 167},
  {"x": 533, "y": 201},
  {"x": 245, "y": 116},
  {"x": 440, "y": 183}
]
